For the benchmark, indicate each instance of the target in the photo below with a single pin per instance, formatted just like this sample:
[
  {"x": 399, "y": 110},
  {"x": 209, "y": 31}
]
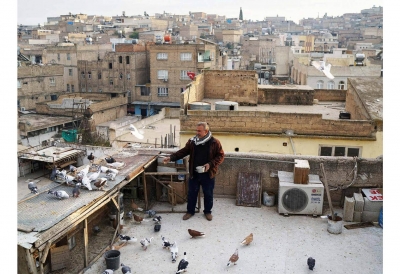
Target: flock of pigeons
[{"x": 82, "y": 178}]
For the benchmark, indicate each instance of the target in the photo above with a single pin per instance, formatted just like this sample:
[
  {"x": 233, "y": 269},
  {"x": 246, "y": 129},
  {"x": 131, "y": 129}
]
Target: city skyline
[{"x": 35, "y": 12}]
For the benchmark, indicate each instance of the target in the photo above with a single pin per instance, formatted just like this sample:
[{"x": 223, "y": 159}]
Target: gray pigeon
[
  {"x": 311, "y": 263},
  {"x": 151, "y": 213},
  {"x": 53, "y": 173},
  {"x": 76, "y": 191},
  {"x": 32, "y": 187},
  {"x": 126, "y": 269}
]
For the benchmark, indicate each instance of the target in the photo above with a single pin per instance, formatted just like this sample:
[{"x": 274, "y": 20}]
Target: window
[
  {"x": 83, "y": 75},
  {"x": 187, "y": 56},
  {"x": 72, "y": 88},
  {"x": 144, "y": 91},
  {"x": 120, "y": 76},
  {"x": 111, "y": 82},
  {"x": 120, "y": 59},
  {"x": 162, "y": 74},
  {"x": 68, "y": 56},
  {"x": 162, "y": 92},
  {"x": 128, "y": 76},
  {"x": 320, "y": 84},
  {"x": 184, "y": 75},
  {"x": 68, "y": 88},
  {"x": 162, "y": 56},
  {"x": 89, "y": 90},
  {"x": 70, "y": 72},
  {"x": 341, "y": 85},
  {"x": 53, "y": 97},
  {"x": 110, "y": 65},
  {"x": 127, "y": 60},
  {"x": 331, "y": 85},
  {"x": 89, "y": 75},
  {"x": 52, "y": 81},
  {"x": 99, "y": 76},
  {"x": 326, "y": 150},
  {"x": 19, "y": 84},
  {"x": 58, "y": 57},
  {"x": 83, "y": 89}
]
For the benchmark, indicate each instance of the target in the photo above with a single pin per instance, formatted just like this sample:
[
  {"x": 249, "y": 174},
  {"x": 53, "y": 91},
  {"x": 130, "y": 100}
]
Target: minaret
[{"x": 241, "y": 14}]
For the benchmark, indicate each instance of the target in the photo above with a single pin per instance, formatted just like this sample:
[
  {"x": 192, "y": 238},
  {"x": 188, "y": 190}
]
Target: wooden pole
[
  {"x": 146, "y": 203},
  {"x": 327, "y": 191},
  {"x": 85, "y": 240}
]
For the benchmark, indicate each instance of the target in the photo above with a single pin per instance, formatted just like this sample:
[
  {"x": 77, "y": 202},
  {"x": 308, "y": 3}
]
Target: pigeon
[
  {"x": 110, "y": 175},
  {"x": 157, "y": 219},
  {"x": 113, "y": 170},
  {"x": 129, "y": 215},
  {"x": 76, "y": 191},
  {"x": 116, "y": 164},
  {"x": 195, "y": 233},
  {"x": 91, "y": 157},
  {"x": 84, "y": 171},
  {"x": 94, "y": 175},
  {"x": 127, "y": 238},
  {"x": 32, "y": 187},
  {"x": 174, "y": 251},
  {"x": 233, "y": 259},
  {"x": 137, "y": 218},
  {"x": 311, "y": 263},
  {"x": 145, "y": 242},
  {"x": 135, "y": 132},
  {"x": 135, "y": 206},
  {"x": 53, "y": 173},
  {"x": 157, "y": 227},
  {"x": 109, "y": 160},
  {"x": 247, "y": 240},
  {"x": 324, "y": 68},
  {"x": 100, "y": 183},
  {"x": 183, "y": 264},
  {"x": 165, "y": 242},
  {"x": 108, "y": 271},
  {"x": 60, "y": 194},
  {"x": 151, "y": 213},
  {"x": 69, "y": 179},
  {"x": 86, "y": 183},
  {"x": 96, "y": 229},
  {"x": 72, "y": 168},
  {"x": 103, "y": 169},
  {"x": 61, "y": 175},
  {"x": 125, "y": 269}
]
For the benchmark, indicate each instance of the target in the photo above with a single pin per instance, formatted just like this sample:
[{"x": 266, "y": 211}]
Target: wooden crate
[{"x": 301, "y": 171}]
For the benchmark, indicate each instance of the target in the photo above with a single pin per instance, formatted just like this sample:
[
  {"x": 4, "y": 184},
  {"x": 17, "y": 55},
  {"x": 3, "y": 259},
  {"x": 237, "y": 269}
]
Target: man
[{"x": 205, "y": 151}]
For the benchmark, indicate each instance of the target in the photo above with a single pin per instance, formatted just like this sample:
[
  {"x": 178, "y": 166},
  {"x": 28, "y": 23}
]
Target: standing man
[{"x": 205, "y": 151}]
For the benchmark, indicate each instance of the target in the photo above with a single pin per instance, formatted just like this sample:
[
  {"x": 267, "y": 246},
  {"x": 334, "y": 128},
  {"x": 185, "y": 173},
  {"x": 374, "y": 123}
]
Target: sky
[{"x": 33, "y": 12}]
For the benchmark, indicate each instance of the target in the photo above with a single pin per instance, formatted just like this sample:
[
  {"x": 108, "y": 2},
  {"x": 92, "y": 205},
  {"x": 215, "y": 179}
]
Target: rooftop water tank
[
  {"x": 199, "y": 106},
  {"x": 226, "y": 105},
  {"x": 167, "y": 39}
]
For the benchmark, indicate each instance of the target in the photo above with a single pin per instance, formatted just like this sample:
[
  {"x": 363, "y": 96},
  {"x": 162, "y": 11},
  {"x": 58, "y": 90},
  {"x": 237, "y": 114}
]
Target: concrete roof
[
  {"x": 39, "y": 121},
  {"x": 50, "y": 154},
  {"x": 370, "y": 91},
  {"x": 349, "y": 71},
  {"x": 286, "y": 87}
]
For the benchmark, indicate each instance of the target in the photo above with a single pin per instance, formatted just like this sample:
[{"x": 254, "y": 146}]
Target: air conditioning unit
[
  {"x": 22, "y": 109},
  {"x": 306, "y": 199}
]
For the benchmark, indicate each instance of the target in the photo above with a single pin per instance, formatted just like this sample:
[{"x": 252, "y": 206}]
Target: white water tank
[
  {"x": 226, "y": 105},
  {"x": 199, "y": 106}
]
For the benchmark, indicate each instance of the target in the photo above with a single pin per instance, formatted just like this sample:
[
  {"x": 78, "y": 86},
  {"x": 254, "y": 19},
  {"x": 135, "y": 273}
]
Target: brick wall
[
  {"x": 238, "y": 86},
  {"x": 354, "y": 105},
  {"x": 129, "y": 48},
  {"x": 276, "y": 123},
  {"x": 285, "y": 95},
  {"x": 330, "y": 95}
]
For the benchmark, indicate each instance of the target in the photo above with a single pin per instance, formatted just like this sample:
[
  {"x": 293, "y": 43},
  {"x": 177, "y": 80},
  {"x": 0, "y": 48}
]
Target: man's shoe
[
  {"x": 208, "y": 216},
  {"x": 186, "y": 216}
]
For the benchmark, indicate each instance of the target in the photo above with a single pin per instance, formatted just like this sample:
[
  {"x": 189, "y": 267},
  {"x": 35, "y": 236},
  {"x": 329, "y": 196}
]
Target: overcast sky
[{"x": 32, "y": 12}]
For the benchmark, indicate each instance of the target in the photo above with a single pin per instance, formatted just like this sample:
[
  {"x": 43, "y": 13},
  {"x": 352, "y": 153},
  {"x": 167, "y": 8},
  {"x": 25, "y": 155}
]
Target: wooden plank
[
  {"x": 85, "y": 241},
  {"x": 31, "y": 263},
  {"x": 45, "y": 252},
  {"x": 359, "y": 225},
  {"x": 248, "y": 189},
  {"x": 301, "y": 171},
  {"x": 328, "y": 194}
]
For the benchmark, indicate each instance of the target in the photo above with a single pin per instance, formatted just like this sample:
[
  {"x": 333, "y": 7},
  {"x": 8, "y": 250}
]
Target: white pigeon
[
  {"x": 111, "y": 176},
  {"x": 60, "y": 194},
  {"x": 326, "y": 69},
  {"x": 69, "y": 179},
  {"x": 86, "y": 183},
  {"x": 113, "y": 170},
  {"x": 174, "y": 251},
  {"x": 103, "y": 169},
  {"x": 145, "y": 242},
  {"x": 84, "y": 171},
  {"x": 135, "y": 132},
  {"x": 95, "y": 175},
  {"x": 116, "y": 164},
  {"x": 108, "y": 271}
]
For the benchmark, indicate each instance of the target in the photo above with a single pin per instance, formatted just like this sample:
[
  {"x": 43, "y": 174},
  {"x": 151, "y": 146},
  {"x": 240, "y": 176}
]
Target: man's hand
[
  {"x": 206, "y": 167},
  {"x": 166, "y": 160}
]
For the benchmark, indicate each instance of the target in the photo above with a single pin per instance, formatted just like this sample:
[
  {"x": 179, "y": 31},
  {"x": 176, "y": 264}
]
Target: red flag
[{"x": 191, "y": 75}]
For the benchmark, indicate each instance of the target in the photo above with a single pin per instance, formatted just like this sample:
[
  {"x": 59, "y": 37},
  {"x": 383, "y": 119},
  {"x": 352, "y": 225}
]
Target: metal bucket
[{"x": 335, "y": 227}]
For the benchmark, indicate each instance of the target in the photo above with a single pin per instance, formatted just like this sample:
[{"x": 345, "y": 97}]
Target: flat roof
[
  {"x": 40, "y": 121},
  {"x": 328, "y": 109},
  {"x": 50, "y": 154},
  {"x": 370, "y": 91}
]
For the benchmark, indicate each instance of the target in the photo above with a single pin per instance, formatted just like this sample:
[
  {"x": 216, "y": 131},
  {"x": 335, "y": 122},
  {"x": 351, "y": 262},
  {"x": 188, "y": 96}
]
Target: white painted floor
[{"x": 281, "y": 244}]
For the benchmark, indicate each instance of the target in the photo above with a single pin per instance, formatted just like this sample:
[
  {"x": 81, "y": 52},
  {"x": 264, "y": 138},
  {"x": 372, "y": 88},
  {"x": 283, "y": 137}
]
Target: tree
[
  {"x": 241, "y": 14},
  {"x": 134, "y": 35}
]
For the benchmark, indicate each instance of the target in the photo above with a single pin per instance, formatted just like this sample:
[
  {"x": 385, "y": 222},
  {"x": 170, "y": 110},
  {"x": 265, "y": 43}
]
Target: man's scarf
[{"x": 199, "y": 141}]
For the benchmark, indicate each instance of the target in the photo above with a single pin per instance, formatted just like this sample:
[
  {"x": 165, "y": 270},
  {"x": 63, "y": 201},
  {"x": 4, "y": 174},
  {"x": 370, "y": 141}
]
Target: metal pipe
[
  {"x": 291, "y": 141},
  {"x": 260, "y": 160}
]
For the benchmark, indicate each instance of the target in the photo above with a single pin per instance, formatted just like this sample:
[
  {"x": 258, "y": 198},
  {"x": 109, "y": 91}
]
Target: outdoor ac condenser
[{"x": 304, "y": 199}]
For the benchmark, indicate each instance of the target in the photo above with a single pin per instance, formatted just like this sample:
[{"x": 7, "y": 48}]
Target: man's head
[{"x": 202, "y": 129}]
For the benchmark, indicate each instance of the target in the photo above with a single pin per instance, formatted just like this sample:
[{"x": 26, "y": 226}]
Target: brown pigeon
[
  {"x": 247, "y": 240},
  {"x": 135, "y": 206},
  {"x": 100, "y": 183},
  {"x": 137, "y": 218},
  {"x": 195, "y": 233},
  {"x": 233, "y": 259}
]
